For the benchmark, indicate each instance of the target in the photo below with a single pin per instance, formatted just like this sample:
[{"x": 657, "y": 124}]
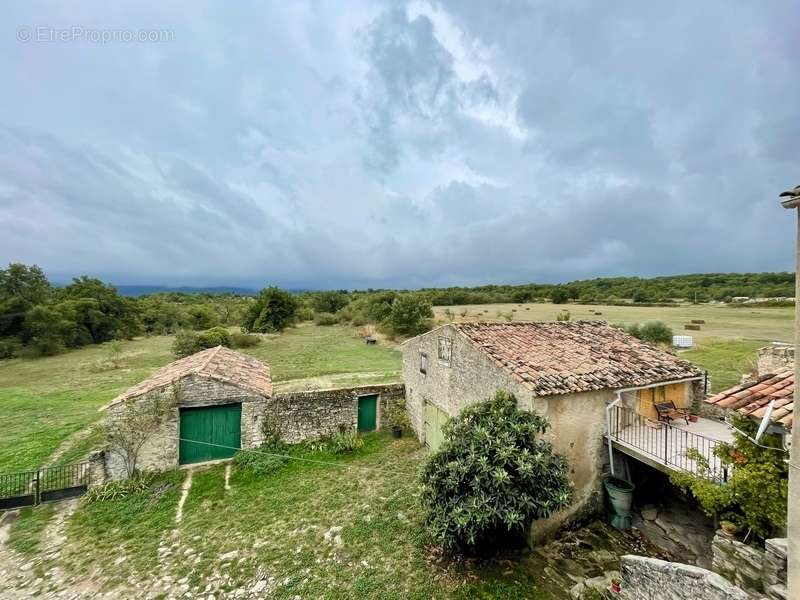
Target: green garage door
[
  {"x": 368, "y": 413},
  {"x": 435, "y": 418},
  {"x": 202, "y": 427}
]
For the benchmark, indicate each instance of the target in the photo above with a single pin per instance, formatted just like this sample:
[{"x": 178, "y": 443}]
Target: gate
[{"x": 48, "y": 484}]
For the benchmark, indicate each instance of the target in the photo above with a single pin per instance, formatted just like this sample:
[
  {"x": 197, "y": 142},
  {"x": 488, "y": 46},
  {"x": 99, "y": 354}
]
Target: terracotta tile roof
[
  {"x": 221, "y": 364},
  {"x": 751, "y": 399},
  {"x": 553, "y": 358}
]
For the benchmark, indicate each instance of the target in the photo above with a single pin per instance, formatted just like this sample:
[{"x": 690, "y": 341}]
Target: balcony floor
[{"x": 665, "y": 448}]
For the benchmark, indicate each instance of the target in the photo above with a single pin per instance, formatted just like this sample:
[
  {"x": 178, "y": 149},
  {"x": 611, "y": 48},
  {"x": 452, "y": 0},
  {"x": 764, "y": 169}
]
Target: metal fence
[
  {"x": 677, "y": 448},
  {"x": 28, "y": 488}
]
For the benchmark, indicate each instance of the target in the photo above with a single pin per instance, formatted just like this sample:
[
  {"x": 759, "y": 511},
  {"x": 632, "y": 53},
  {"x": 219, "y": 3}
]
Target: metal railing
[
  {"x": 28, "y": 488},
  {"x": 673, "y": 446}
]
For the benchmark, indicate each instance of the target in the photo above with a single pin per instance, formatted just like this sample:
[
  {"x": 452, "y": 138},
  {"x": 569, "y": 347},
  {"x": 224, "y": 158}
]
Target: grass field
[
  {"x": 347, "y": 527},
  {"x": 45, "y": 401},
  {"x": 766, "y": 324}
]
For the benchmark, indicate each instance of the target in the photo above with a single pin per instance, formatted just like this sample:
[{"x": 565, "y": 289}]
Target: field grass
[
  {"x": 725, "y": 360},
  {"x": 44, "y": 401},
  {"x": 283, "y": 527},
  {"x": 721, "y": 321}
]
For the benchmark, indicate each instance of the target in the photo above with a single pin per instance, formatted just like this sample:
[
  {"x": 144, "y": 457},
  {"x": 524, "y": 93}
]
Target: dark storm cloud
[{"x": 406, "y": 144}]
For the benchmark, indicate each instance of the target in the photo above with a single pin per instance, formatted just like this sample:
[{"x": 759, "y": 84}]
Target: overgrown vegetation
[
  {"x": 492, "y": 476},
  {"x": 272, "y": 311},
  {"x": 754, "y": 496},
  {"x": 653, "y": 332}
]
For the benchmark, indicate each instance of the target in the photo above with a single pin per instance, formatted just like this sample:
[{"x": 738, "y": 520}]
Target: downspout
[{"x": 608, "y": 428}]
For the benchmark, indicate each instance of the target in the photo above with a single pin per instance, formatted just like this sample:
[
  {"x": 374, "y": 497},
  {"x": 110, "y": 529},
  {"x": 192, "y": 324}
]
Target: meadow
[{"x": 46, "y": 404}]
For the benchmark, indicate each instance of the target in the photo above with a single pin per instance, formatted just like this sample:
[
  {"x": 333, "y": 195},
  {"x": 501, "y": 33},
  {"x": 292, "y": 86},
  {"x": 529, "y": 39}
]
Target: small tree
[
  {"x": 273, "y": 310},
  {"x": 492, "y": 476},
  {"x": 411, "y": 314},
  {"x": 654, "y": 332},
  {"x": 559, "y": 296},
  {"x": 138, "y": 420}
]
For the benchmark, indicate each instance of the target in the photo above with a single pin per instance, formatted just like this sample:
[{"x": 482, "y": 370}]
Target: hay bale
[
  {"x": 692, "y": 326},
  {"x": 699, "y": 321}
]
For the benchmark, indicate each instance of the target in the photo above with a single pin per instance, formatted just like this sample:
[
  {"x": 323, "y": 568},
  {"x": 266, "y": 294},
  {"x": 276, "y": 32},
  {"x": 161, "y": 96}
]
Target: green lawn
[
  {"x": 725, "y": 360},
  {"x": 46, "y": 400},
  {"x": 278, "y": 524}
]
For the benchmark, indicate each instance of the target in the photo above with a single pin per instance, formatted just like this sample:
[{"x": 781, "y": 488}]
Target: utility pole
[{"x": 791, "y": 200}]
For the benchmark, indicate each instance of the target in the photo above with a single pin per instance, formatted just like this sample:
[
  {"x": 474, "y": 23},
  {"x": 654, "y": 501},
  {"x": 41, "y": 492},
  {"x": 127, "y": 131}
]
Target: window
[
  {"x": 423, "y": 363},
  {"x": 445, "y": 350}
]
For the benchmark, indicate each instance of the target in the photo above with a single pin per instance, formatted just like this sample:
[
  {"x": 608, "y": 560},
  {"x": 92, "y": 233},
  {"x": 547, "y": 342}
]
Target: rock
[
  {"x": 120, "y": 560},
  {"x": 649, "y": 512},
  {"x": 259, "y": 586},
  {"x": 229, "y": 555}
]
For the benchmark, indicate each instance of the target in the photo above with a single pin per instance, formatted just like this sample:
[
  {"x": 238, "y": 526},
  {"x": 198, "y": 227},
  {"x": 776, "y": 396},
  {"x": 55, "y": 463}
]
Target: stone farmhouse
[
  {"x": 568, "y": 372},
  {"x": 221, "y": 402}
]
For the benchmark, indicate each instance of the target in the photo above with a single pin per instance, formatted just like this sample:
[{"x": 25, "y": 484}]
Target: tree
[
  {"x": 136, "y": 421},
  {"x": 101, "y": 310},
  {"x": 410, "y": 314},
  {"x": 202, "y": 316},
  {"x": 329, "y": 302},
  {"x": 655, "y": 332},
  {"x": 273, "y": 310},
  {"x": 559, "y": 296},
  {"x": 492, "y": 476},
  {"x": 21, "y": 288},
  {"x": 756, "y": 491}
]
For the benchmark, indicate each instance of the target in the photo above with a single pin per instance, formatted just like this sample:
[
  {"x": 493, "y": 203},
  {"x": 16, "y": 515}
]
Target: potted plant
[
  {"x": 616, "y": 585},
  {"x": 397, "y": 418},
  {"x": 694, "y": 418},
  {"x": 728, "y": 527}
]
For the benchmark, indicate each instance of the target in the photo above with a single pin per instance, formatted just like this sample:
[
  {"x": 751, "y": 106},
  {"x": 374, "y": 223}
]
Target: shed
[{"x": 220, "y": 399}]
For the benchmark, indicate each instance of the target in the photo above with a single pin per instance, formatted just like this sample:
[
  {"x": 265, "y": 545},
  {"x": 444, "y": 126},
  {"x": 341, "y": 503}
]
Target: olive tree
[{"x": 492, "y": 476}]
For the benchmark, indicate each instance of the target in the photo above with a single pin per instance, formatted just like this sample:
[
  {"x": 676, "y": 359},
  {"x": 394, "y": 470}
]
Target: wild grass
[
  {"x": 350, "y": 528},
  {"x": 26, "y": 533},
  {"x": 725, "y": 360},
  {"x": 45, "y": 400}
]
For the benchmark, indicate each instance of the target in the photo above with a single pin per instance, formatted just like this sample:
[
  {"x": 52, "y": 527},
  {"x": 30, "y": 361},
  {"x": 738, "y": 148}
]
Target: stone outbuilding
[
  {"x": 568, "y": 372},
  {"x": 218, "y": 399}
]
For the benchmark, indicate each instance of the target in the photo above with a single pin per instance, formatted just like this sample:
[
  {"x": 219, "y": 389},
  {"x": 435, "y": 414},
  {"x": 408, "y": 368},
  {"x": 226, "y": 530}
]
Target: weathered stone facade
[
  {"x": 577, "y": 420},
  {"x": 298, "y": 416},
  {"x": 773, "y": 359},
  {"x": 645, "y": 578},
  {"x": 752, "y": 569},
  {"x": 319, "y": 413},
  {"x": 160, "y": 452}
]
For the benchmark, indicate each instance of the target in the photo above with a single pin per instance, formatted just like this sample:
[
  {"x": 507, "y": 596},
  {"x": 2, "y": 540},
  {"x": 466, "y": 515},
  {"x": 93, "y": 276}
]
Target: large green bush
[
  {"x": 653, "y": 332},
  {"x": 188, "y": 342},
  {"x": 273, "y": 310},
  {"x": 492, "y": 476}
]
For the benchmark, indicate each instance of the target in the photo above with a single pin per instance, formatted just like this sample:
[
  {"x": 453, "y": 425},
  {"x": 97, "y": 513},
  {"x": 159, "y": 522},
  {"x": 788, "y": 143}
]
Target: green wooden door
[
  {"x": 368, "y": 413},
  {"x": 210, "y": 433},
  {"x": 434, "y": 421}
]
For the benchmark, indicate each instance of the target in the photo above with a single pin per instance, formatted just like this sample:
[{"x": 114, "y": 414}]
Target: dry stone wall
[
  {"x": 757, "y": 571},
  {"x": 645, "y": 578}
]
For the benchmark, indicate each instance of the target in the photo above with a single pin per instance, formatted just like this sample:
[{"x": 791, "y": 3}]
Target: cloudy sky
[{"x": 406, "y": 144}]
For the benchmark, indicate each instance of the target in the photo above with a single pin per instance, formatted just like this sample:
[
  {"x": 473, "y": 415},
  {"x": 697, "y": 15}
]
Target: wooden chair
[{"x": 667, "y": 411}]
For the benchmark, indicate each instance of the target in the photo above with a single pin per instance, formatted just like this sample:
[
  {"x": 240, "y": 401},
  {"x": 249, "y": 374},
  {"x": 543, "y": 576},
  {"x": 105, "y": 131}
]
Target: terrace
[{"x": 666, "y": 446}]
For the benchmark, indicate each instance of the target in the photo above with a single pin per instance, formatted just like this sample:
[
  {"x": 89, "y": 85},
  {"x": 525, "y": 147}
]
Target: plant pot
[
  {"x": 728, "y": 528},
  {"x": 693, "y": 418},
  {"x": 397, "y": 432},
  {"x": 615, "y": 587}
]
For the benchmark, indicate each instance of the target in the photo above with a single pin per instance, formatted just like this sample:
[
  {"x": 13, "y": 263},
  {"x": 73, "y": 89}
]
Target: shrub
[
  {"x": 345, "y": 441},
  {"x": 397, "y": 414},
  {"x": 755, "y": 495},
  {"x": 326, "y": 319},
  {"x": 273, "y": 310},
  {"x": 8, "y": 348},
  {"x": 117, "y": 490},
  {"x": 245, "y": 340},
  {"x": 216, "y": 336},
  {"x": 563, "y": 316},
  {"x": 559, "y": 296},
  {"x": 329, "y": 302},
  {"x": 304, "y": 313},
  {"x": 654, "y": 332},
  {"x": 261, "y": 461},
  {"x": 492, "y": 476}
]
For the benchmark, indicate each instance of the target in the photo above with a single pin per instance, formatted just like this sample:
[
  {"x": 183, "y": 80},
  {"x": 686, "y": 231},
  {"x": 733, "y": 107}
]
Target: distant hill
[{"x": 142, "y": 290}]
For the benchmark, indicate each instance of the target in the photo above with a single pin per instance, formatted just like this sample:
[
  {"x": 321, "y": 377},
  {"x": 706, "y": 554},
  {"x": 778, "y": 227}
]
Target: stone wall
[
  {"x": 314, "y": 414},
  {"x": 577, "y": 420},
  {"x": 752, "y": 569},
  {"x": 160, "y": 452},
  {"x": 772, "y": 359},
  {"x": 645, "y": 578}
]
